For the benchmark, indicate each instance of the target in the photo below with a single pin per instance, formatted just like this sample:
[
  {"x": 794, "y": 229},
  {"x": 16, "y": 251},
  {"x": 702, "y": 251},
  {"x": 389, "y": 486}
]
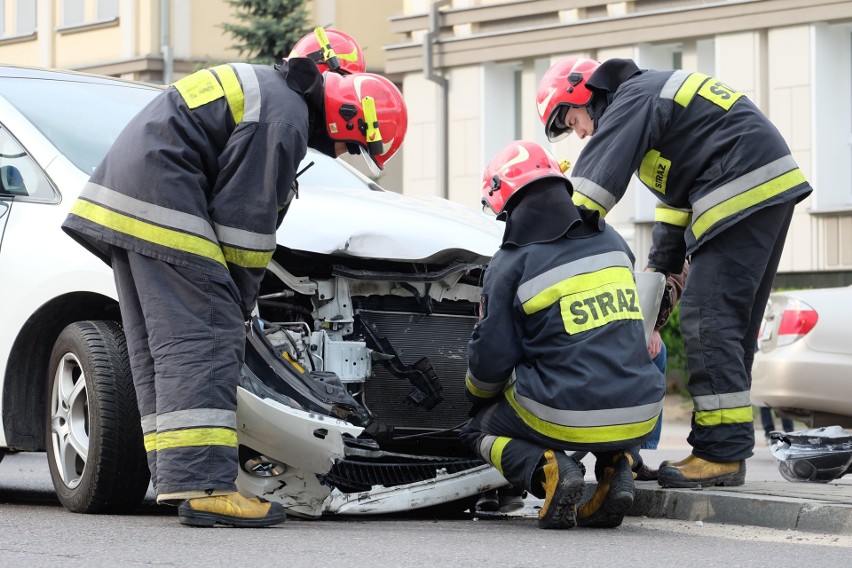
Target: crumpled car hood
[{"x": 387, "y": 225}]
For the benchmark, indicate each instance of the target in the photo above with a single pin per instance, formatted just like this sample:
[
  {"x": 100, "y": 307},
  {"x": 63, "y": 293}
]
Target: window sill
[
  {"x": 826, "y": 211},
  {"x": 87, "y": 26},
  {"x": 20, "y": 38}
]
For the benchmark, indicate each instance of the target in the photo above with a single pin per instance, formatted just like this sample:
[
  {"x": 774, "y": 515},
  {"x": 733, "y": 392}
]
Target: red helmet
[
  {"x": 331, "y": 50},
  {"x": 517, "y": 165},
  {"x": 562, "y": 87},
  {"x": 367, "y": 112}
]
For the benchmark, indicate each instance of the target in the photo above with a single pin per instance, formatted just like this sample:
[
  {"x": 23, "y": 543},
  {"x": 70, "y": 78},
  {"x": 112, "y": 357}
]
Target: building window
[
  {"x": 73, "y": 12},
  {"x": 2, "y": 18},
  {"x": 832, "y": 124},
  {"x": 25, "y": 17},
  {"x": 107, "y": 10}
]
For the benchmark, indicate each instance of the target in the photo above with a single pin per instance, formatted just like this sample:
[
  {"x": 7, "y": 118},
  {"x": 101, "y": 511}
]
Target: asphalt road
[{"x": 37, "y": 532}]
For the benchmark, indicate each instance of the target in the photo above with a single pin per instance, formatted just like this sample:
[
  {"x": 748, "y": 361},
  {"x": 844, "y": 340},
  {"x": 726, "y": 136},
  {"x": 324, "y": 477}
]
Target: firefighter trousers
[
  {"x": 730, "y": 278},
  {"x": 186, "y": 339},
  {"x": 499, "y": 436}
]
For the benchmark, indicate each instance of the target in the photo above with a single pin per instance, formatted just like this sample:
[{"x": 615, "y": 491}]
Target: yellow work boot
[
  {"x": 697, "y": 472},
  {"x": 685, "y": 460},
  {"x": 613, "y": 496},
  {"x": 233, "y": 510},
  {"x": 562, "y": 481}
]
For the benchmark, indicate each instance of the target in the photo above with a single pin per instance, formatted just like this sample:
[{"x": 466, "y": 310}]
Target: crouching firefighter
[
  {"x": 185, "y": 208},
  {"x": 558, "y": 360}
]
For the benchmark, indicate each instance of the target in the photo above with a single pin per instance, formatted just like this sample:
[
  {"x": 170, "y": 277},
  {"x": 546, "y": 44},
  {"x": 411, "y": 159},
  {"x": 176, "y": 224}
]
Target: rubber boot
[
  {"x": 488, "y": 502},
  {"x": 561, "y": 479},
  {"x": 510, "y": 498},
  {"x": 613, "y": 497},
  {"x": 232, "y": 510},
  {"x": 696, "y": 472}
]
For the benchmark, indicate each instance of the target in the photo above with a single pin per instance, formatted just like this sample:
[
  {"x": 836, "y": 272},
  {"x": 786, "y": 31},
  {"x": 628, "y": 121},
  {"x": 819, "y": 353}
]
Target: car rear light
[{"x": 796, "y": 321}]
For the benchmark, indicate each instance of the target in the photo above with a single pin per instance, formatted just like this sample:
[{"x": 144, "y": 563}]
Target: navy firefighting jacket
[
  {"x": 707, "y": 152},
  {"x": 198, "y": 178},
  {"x": 562, "y": 338}
]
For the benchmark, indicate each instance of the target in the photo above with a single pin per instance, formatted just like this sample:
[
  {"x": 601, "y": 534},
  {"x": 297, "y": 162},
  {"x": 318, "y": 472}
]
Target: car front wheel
[{"x": 94, "y": 448}]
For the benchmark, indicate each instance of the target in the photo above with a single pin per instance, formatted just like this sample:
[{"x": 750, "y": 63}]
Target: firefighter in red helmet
[
  {"x": 185, "y": 208},
  {"x": 726, "y": 183},
  {"x": 558, "y": 360},
  {"x": 331, "y": 50}
]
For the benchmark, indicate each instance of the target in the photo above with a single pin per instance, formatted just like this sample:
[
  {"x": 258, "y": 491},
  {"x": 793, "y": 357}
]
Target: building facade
[
  {"x": 160, "y": 41},
  {"x": 471, "y": 70}
]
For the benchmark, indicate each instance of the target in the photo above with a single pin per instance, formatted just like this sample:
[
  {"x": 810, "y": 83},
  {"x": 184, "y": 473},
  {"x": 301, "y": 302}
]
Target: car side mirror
[{"x": 11, "y": 181}]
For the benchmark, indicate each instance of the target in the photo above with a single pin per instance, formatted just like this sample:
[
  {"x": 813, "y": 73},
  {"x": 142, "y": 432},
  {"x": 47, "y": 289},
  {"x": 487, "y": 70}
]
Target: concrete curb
[{"x": 743, "y": 508}]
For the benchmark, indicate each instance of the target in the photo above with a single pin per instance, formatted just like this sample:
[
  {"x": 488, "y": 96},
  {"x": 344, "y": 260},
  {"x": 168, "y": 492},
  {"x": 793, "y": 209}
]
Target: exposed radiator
[{"x": 443, "y": 338}]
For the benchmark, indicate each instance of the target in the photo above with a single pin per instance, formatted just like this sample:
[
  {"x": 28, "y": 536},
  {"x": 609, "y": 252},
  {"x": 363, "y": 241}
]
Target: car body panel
[{"x": 812, "y": 376}]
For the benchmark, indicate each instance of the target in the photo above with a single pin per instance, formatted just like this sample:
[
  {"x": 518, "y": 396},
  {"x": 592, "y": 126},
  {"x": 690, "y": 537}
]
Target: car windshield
[{"x": 81, "y": 119}]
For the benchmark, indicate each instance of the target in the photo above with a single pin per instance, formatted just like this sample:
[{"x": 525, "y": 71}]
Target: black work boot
[
  {"x": 232, "y": 510},
  {"x": 561, "y": 479},
  {"x": 488, "y": 502},
  {"x": 613, "y": 496}
]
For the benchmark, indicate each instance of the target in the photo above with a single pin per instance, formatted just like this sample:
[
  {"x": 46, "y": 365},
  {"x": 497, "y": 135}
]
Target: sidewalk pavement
[{"x": 765, "y": 500}]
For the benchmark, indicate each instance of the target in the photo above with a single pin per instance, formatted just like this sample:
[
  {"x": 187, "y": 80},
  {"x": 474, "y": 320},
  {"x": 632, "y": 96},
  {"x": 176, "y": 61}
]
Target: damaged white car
[{"x": 353, "y": 387}]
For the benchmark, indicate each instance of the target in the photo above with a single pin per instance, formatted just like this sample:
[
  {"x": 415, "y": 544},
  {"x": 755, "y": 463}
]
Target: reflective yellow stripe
[
  {"x": 497, "y": 452},
  {"x": 199, "y": 88},
  {"x": 654, "y": 171},
  {"x": 247, "y": 258},
  {"x": 148, "y": 232},
  {"x": 195, "y": 437},
  {"x": 740, "y": 415},
  {"x": 580, "y": 199},
  {"x": 671, "y": 216},
  {"x": 588, "y": 435},
  {"x": 747, "y": 199},
  {"x": 233, "y": 91},
  {"x": 478, "y": 392},
  {"x": 689, "y": 88},
  {"x": 150, "y": 442},
  {"x": 583, "y": 282}
]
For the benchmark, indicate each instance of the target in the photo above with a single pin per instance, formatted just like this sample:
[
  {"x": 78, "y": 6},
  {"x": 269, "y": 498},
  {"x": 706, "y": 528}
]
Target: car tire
[{"x": 94, "y": 436}]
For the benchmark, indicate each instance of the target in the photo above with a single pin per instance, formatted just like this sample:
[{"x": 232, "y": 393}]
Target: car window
[
  {"x": 20, "y": 177},
  {"x": 81, "y": 119}
]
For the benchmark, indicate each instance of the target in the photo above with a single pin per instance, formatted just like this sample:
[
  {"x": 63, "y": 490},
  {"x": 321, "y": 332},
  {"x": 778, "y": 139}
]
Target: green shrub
[{"x": 676, "y": 373}]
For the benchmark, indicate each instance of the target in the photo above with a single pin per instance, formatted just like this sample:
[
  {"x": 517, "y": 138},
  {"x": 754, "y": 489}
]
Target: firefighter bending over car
[
  {"x": 558, "y": 360},
  {"x": 727, "y": 185},
  {"x": 185, "y": 208}
]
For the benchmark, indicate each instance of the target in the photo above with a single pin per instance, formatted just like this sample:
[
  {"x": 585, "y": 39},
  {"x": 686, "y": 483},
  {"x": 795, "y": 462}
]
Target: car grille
[
  {"x": 350, "y": 476},
  {"x": 443, "y": 339}
]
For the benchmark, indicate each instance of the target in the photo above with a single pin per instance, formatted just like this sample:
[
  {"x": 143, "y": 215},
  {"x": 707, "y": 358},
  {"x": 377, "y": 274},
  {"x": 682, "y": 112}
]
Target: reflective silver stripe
[
  {"x": 530, "y": 288},
  {"x": 488, "y": 387},
  {"x": 251, "y": 91},
  {"x": 594, "y": 192},
  {"x": 672, "y": 86},
  {"x": 590, "y": 418},
  {"x": 148, "y": 211},
  {"x": 742, "y": 184},
  {"x": 485, "y": 445},
  {"x": 196, "y": 417},
  {"x": 149, "y": 423},
  {"x": 719, "y": 401},
  {"x": 245, "y": 239}
]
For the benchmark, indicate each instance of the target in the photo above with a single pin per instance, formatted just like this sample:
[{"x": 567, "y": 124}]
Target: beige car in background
[{"x": 803, "y": 367}]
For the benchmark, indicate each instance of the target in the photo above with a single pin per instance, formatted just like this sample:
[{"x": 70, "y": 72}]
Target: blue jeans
[{"x": 654, "y": 438}]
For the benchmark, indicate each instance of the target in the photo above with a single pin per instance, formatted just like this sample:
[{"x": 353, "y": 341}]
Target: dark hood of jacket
[
  {"x": 541, "y": 213},
  {"x": 304, "y": 77},
  {"x": 605, "y": 81}
]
